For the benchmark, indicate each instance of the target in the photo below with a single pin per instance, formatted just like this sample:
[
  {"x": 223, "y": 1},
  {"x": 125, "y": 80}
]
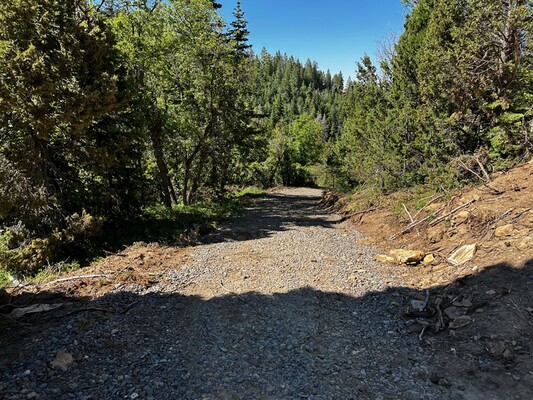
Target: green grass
[{"x": 249, "y": 192}]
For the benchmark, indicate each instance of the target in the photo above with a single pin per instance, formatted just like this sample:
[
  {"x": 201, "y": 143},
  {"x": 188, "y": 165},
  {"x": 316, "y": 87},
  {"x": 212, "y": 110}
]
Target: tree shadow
[
  {"x": 274, "y": 212},
  {"x": 302, "y": 344}
]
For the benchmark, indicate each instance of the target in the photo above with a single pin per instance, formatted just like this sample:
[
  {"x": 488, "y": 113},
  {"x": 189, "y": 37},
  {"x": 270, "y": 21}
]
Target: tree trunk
[
  {"x": 156, "y": 136},
  {"x": 196, "y": 178}
]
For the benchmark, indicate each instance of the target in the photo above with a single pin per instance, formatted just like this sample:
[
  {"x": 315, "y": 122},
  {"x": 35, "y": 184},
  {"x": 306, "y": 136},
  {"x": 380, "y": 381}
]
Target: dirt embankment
[
  {"x": 476, "y": 315},
  {"x": 496, "y": 217}
]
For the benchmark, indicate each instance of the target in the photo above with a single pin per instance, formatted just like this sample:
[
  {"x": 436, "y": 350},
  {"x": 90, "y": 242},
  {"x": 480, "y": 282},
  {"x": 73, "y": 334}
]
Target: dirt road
[{"x": 282, "y": 304}]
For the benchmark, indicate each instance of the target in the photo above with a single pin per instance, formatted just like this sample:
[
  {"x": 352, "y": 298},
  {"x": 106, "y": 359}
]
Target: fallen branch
[
  {"x": 482, "y": 168},
  {"x": 427, "y": 204},
  {"x": 140, "y": 256},
  {"x": 492, "y": 224},
  {"x": 471, "y": 171},
  {"x": 411, "y": 226},
  {"x": 443, "y": 217},
  {"x": 75, "y": 278},
  {"x": 485, "y": 179},
  {"x": 495, "y": 199},
  {"x": 520, "y": 214},
  {"x": 408, "y": 213}
]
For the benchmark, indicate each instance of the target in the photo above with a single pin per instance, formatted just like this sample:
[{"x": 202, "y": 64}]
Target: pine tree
[{"x": 239, "y": 32}]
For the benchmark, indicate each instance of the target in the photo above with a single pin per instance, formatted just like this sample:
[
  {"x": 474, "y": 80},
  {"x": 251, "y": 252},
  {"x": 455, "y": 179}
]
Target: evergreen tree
[{"x": 238, "y": 31}]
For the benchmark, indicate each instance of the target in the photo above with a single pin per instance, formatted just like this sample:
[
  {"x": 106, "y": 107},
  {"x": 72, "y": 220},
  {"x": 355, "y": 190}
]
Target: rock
[
  {"x": 459, "y": 322},
  {"x": 460, "y": 217},
  {"x": 463, "y": 303},
  {"x": 504, "y": 230},
  {"x": 463, "y": 254},
  {"x": 62, "y": 360},
  {"x": 436, "y": 233},
  {"x": 407, "y": 256},
  {"x": 453, "y": 312},
  {"x": 418, "y": 305},
  {"x": 429, "y": 259},
  {"x": 506, "y": 354},
  {"x": 382, "y": 258}
]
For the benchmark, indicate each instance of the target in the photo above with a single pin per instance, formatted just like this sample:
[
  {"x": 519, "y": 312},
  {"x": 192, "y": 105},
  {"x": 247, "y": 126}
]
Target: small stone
[
  {"x": 31, "y": 395},
  {"x": 460, "y": 217},
  {"x": 463, "y": 254},
  {"x": 429, "y": 259},
  {"x": 453, "y": 312},
  {"x": 407, "y": 256},
  {"x": 134, "y": 395},
  {"x": 506, "y": 354},
  {"x": 384, "y": 259},
  {"x": 62, "y": 360},
  {"x": 418, "y": 305},
  {"x": 504, "y": 230},
  {"x": 463, "y": 303}
]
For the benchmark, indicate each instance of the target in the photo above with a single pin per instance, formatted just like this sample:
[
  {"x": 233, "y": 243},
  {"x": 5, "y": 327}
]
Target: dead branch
[
  {"x": 482, "y": 168},
  {"x": 494, "y": 199},
  {"x": 427, "y": 204},
  {"x": 492, "y": 224},
  {"x": 517, "y": 216},
  {"x": 443, "y": 217},
  {"x": 485, "y": 178},
  {"x": 75, "y": 278},
  {"x": 408, "y": 213},
  {"x": 411, "y": 226},
  {"x": 462, "y": 164}
]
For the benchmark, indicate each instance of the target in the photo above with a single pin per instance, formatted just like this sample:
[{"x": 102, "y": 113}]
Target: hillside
[{"x": 496, "y": 217}]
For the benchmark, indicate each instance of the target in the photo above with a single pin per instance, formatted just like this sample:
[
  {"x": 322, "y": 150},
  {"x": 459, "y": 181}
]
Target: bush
[{"x": 23, "y": 254}]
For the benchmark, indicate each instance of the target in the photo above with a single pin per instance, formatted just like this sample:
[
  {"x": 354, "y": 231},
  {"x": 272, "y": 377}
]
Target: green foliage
[{"x": 22, "y": 255}]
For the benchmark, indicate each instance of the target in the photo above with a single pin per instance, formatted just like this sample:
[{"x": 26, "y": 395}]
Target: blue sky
[{"x": 334, "y": 33}]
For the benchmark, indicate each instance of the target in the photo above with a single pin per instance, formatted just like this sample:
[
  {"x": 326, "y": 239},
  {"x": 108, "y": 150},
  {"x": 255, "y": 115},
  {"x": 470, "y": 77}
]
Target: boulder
[
  {"x": 504, "y": 230},
  {"x": 463, "y": 254},
  {"x": 407, "y": 256}
]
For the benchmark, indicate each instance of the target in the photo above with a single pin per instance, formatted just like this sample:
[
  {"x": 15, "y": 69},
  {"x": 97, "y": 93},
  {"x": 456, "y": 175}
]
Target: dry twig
[
  {"x": 75, "y": 278},
  {"x": 443, "y": 217},
  {"x": 411, "y": 226}
]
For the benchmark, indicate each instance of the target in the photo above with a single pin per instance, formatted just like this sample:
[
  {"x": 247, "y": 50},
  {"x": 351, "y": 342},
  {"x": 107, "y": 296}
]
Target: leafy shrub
[{"x": 23, "y": 254}]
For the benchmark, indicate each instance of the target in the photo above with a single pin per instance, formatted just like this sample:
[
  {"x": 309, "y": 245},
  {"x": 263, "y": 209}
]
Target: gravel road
[{"x": 282, "y": 304}]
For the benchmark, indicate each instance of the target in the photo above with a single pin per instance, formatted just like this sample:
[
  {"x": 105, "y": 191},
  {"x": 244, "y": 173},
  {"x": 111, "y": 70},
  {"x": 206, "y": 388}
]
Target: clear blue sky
[{"x": 334, "y": 33}]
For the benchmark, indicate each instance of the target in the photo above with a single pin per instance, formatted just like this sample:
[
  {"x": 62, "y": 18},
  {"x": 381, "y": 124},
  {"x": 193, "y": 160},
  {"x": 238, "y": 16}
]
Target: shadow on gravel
[
  {"x": 274, "y": 213},
  {"x": 302, "y": 344}
]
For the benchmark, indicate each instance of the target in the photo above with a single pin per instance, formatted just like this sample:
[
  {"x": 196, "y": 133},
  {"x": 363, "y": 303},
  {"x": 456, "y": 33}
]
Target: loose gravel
[{"x": 282, "y": 304}]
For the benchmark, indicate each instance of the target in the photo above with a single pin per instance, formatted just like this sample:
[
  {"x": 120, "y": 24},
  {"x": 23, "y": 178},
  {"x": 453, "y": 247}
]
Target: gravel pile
[{"x": 283, "y": 304}]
